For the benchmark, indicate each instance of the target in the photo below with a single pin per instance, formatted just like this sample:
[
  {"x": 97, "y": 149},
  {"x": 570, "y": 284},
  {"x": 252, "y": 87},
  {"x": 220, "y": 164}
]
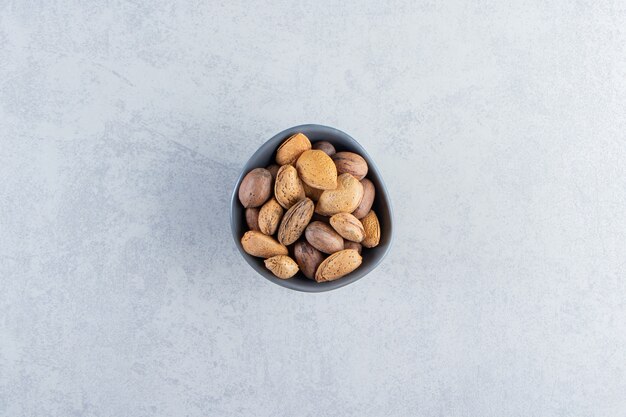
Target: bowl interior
[{"x": 342, "y": 142}]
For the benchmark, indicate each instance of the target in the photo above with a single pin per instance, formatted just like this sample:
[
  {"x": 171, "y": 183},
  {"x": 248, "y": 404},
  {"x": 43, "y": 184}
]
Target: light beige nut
[
  {"x": 369, "y": 192},
  {"x": 344, "y": 199},
  {"x": 308, "y": 258},
  {"x": 260, "y": 245},
  {"x": 288, "y": 188},
  {"x": 351, "y": 163},
  {"x": 325, "y": 146},
  {"x": 338, "y": 265},
  {"x": 269, "y": 217},
  {"x": 295, "y": 221},
  {"x": 353, "y": 245},
  {"x": 323, "y": 238},
  {"x": 348, "y": 226},
  {"x": 252, "y": 218},
  {"x": 291, "y": 149},
  {"x": 316, "y": 169},
  {"x": 255, "y": 188},
  {"x": 313, "y": 193},
  {"x": 282, "y": 266},
  {"x": 372, "y": 230}
]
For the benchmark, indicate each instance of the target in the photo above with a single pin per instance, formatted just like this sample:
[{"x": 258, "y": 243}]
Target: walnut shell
[
  {"x": 372, "y": 230},
  {"x": 295, "y": 221},
  {"x": 269, "y": 217},
  {"x": 348, "y": 226},
  {"x": 316, "y": 169},
  {"x": 288, "y": 188},
  {"x": 338, "y": 265},
  {"x": 260, "y": 245},
  {"x": 282, "y": 266},
  {"x": 291, "y": 149}
]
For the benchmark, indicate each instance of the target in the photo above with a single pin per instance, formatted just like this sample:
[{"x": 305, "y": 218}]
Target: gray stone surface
[{"x": 500, "y": 129}]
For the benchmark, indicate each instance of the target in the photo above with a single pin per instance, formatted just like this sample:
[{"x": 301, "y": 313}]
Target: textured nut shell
[
  {"x": 372, "y": 230},
  {"x": 327, "y": 147},
  {"x": 288, "y": 188},
  {"x": 323, "y": 238},
  {"x": 348, "y": 226},
  {"x": 316, "y": 169},
  {"x": 273, "y": 169},
  {"x": 260, "y": 245},
  {"x": 338, "y": 265},
  {"x": 282, "y": 266},
  {"x": 289, "y": 151},
  {"x": 351, "y": 163},
  {"x": 269, "y": 217},
  {"x": 252, "y": 218},
  {"x": 295, "y": 221},
  {"x": 353, "y": 245},
  {"x": 308, "y": 258},
  {"x": 369, "y": 192},
  {"x": 344, "y": 199},
  {"x": 313, "y": 193},
  {"x": 255, "y": 188}
]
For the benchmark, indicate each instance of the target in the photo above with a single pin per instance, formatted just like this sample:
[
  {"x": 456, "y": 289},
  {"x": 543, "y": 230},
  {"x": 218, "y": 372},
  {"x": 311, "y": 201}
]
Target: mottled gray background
[{"x": 500, "y": 130}]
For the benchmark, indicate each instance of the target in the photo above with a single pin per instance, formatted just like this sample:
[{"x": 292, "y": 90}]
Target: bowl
[{"x": 264, "y": 156}]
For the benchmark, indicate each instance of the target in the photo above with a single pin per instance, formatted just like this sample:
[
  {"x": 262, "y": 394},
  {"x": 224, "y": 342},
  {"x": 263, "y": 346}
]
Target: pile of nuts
[{"x": 310, "y": 182}]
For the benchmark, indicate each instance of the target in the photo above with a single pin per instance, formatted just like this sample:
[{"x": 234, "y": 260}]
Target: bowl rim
[{"x": 288, "y": 283}]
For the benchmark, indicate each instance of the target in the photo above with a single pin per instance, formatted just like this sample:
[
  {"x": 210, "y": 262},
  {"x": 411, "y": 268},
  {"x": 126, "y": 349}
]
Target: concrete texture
[{"x": 500, "y": 128}]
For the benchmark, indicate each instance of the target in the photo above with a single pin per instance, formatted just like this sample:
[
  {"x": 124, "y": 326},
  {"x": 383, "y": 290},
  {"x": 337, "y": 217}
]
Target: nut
[
  {"x": 308, "y": 258},
  {"x": 295, "y": 221},
  {"x": 317, "y": 170},
  {"x": 369, "y": 192},
  {"x": 288, "y": 188},
  {"x": 337, "y": 265},
  {"x": 353, "y": 245},
  {"x": 269, "y": 217},
  {"x": 323, "y": 238},
  {"x": 351, "y": 163},
  {"x": 282, "y": 266},
  {"x": 372, "y": 230},
  {"x": 292, "y": 148},
  {"x": 313, "y": 193},
  {"x": 273, "y": 169},
  {"x": 252, "y": 218},
  {"x": 255, "y": 188},
  {"x": 260, "y": 245},
  {"x": 344, "y": 199},
  {"x": 348, "y": 226},
  {"x": 327, "y": 147}
]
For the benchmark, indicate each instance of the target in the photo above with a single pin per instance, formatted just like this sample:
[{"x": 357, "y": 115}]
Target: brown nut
[
  {"x": 269, "y": 217},
  {"x": 255, "y": 188},
  {"x": 369, "y": 192},
  {"x": 316, "y": 169},
  {"x": 344, "y": 199},
  {"x": 308, "y": 258},
  {"x": 323, "y": 238},
  {"x": 295, "y": 221},
  {"x": 291, "y": 149},
  {"x": 372, "y": 230},
  {"x": 288, "y": 188},
  {"x": 353, "y": 245},
  {"x": 327, "y": 147},
  {"x": 260, "y": 245},
  {"x": 282, "y": 266},
  {"x": 273, "y": 169},
  {"x": 313, "y": 193},
  {"x": 252, "y": 218},
  {"x": 338, "y": 265},
  {"x": 351, "y": 163},
  {"x": 348, "y": 226}
]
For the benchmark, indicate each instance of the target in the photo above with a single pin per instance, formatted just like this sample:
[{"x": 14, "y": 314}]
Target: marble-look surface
[{"x": 500, "y": 129}]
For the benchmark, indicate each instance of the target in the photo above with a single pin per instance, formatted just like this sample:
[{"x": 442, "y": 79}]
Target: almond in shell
[
  {"x": 292, "y": 148},
  {"x": 344, "y": 199},
  {"x": 369, "y": 192},
  {"x": 255, "y": 188},
  {"x": 295, "y": 221},
  {"x": 282, "y": 266},
  {"x": 316, "y": 169},
  {"x": 313, "y": 193},
  {"x": 260, "y": 245},
  {"x": 288, "y": 188},
  {"x": 323, "y": 238},
  {"x": 348, "y": 226},
  {"x": 269, "y": 217},
  {"x": 372, "y": 230},
  {"x": 338, "y": 265},
  {"x": 351, "y": 163},
  {"x": 308, "y": 258}
]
